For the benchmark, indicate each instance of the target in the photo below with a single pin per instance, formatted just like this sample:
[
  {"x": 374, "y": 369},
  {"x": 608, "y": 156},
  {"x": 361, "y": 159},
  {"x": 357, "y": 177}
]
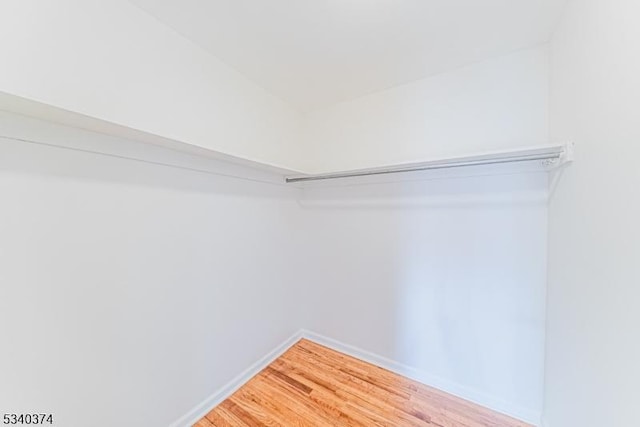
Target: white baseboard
[
  {"x": 464, "y": 392},
  {"x": 467, "y": 393},
  {"x": 228, "y": 389}
]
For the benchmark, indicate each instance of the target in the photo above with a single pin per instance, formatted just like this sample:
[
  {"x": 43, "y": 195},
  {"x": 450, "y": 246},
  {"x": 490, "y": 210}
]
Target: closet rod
[{"x": 549, "y": 156}]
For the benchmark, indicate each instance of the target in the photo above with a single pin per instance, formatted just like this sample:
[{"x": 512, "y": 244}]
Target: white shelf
[
  {"x": 157, "y": 150},
  {"x": 544, "y": 157}
]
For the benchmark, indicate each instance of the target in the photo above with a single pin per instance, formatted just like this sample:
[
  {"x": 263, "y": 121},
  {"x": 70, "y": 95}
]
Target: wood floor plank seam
[
  {"x": 349, "y": 392},
  {"x": 310, "y": 385}
]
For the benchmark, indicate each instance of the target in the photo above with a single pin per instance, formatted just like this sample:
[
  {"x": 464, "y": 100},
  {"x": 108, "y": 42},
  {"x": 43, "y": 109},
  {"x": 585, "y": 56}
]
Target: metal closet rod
[{"x": 552, "y": 155}]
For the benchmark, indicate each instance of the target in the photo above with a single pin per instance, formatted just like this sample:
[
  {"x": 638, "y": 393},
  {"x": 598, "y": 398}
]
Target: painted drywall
[
  {"x": 343, "y": 50},
  {"x": 496, "y": 104},
  {"x": 131, "y": 292},
  {"x": 132, "y": 282},
  {"x": 112, "y": 61},
  {"x": 98, "y": 248},
  {"x": 592, "y": 345},
  {"x": 445, "y": 276}
]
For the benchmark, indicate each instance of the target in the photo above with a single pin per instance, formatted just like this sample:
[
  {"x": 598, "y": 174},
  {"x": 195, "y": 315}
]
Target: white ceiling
[{"x": 313, "y": 53}]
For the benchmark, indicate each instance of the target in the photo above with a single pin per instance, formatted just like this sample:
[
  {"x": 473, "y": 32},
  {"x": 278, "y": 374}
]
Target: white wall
[
  {"x": 446, "y": 276},
  {"x": 112, "y": 61},
  {"x": 495, "y": 104},
  {"x": 131, "y": 292},
  {"x": 128, "y": 282},
  {"x": 143, "y": 282},
  {"x": 593, "y": 347}
]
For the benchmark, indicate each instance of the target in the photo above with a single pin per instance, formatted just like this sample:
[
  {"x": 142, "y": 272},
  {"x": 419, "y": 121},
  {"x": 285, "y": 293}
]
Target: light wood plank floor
[{"x": 311, "y": 385}]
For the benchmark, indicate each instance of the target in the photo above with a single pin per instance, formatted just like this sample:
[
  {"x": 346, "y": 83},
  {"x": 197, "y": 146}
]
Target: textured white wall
[
  {"x": 112, "y": 61},
  {"x": 593, "y": 347},
  {"x": 131, "y": 292},
  {"x": 495, "y": 104}
]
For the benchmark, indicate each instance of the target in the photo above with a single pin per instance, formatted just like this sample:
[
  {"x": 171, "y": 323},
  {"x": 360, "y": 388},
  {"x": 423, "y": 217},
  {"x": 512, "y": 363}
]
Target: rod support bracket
[{"x": 569, "y": 152}]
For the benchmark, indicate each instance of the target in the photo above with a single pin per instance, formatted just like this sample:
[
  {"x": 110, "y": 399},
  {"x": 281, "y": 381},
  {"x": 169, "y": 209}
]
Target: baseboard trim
[
  {"x": 467, "y": 393},
  {"x": 192, "y": 417},
  {"x": 463, "y": 392}
]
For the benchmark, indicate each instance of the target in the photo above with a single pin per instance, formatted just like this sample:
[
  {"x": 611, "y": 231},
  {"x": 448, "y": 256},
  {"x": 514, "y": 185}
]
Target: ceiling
[{"x": 313, "y": 53}]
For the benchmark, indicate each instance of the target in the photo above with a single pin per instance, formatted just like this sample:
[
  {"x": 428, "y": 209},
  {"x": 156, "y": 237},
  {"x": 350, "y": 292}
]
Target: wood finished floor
[{"x": 311, "y": 385}]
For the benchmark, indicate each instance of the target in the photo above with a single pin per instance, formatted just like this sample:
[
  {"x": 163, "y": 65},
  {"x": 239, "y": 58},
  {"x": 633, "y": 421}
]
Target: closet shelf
[
  {"x": 548, "y": 157},
  {"x": 172, "y": 153}
]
